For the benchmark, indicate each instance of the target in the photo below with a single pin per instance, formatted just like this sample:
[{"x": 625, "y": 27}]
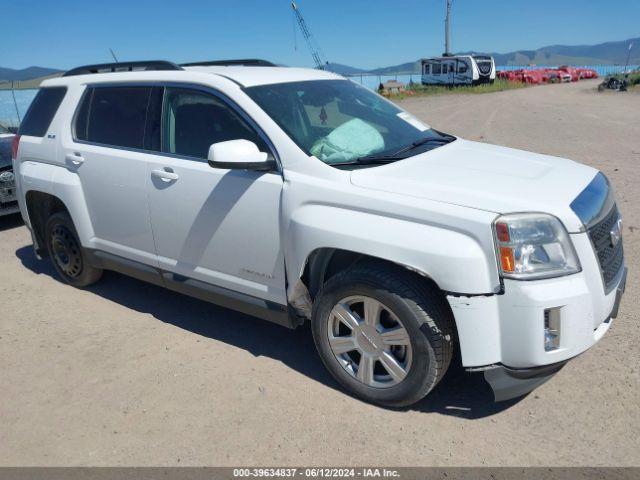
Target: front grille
[
  {"x": 610, "y": 257},
  {"x": 7, "y": 192}
]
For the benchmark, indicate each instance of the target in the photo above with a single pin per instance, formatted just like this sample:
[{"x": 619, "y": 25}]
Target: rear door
[
  {"x": 218, "y": 226},
  {"x": 107, "y": 152}
]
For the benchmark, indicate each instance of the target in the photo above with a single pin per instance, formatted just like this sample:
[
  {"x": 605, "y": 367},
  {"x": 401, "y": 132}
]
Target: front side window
[
  {"x": 427, "y": 69},
  {"x": 462, "y": 67},
  {"x": 114, "y": 116},
  {"x": 195, "y": 120},
  {"x": 437, "y": 68},
  {"x": 338, "y": 120}
]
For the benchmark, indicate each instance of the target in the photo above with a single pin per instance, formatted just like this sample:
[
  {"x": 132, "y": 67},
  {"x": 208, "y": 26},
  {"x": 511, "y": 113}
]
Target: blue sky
[{"x": 368, "y": 34}]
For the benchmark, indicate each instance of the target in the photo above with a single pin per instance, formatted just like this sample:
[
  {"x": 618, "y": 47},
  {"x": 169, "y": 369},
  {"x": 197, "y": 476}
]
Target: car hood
[{"x": 485, "y": 177}]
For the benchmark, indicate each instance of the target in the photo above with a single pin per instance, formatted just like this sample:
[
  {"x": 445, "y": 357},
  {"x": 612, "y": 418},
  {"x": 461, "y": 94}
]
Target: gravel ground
[{"x": 126, "y": 373}]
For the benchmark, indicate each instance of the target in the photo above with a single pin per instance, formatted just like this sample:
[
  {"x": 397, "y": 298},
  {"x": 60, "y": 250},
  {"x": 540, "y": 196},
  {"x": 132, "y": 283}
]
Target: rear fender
[{"x": 62, "y": 184}]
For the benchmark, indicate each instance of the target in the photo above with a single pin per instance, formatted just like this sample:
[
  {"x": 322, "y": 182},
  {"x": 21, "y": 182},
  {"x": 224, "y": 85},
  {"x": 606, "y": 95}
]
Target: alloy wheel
[{"x": 369, "y": 341}]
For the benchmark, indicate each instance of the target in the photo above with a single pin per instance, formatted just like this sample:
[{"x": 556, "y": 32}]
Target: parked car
[
  {"x": 587, "y": 73},
  {"x": 297, "y": 195},
  {"x": 534, "y": 77},
  {"x": 550, "y": 75},
  {"x": 8, "y": 200},
  {"x": 572, "y": 72}
]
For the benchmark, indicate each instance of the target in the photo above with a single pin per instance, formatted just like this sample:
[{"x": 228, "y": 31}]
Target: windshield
[{"x": 339, "y": 121}]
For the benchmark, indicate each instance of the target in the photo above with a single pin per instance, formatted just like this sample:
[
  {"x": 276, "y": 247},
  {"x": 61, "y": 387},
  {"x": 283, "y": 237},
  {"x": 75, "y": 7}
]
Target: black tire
[
  {"x": 66, "y": 252},
  {"x": 423, "y": 312}
]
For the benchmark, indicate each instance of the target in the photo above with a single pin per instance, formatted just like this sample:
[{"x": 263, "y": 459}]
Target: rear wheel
[
  {"x": 383, "y": 334},
  {"x": 68, "y": 257}
]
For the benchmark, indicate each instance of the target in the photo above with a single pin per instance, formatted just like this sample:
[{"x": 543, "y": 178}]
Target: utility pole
[
  {"x": 447, "y": 30},
  {"x": 626, "y": 64}
]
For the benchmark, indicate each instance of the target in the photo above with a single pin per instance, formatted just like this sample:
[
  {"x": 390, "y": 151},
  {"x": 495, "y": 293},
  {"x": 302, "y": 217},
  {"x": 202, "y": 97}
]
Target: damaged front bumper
[{"x": 508, "y": 383}]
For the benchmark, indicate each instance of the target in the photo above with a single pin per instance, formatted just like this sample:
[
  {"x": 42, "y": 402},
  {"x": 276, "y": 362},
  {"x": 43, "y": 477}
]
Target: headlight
[
  {"x": 6, "y": 176},
  {"x": 534, "y": 245}
]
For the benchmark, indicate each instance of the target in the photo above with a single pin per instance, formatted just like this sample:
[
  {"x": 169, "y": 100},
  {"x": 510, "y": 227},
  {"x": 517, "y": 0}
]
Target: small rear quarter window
[{"x": 42, "y": 110}]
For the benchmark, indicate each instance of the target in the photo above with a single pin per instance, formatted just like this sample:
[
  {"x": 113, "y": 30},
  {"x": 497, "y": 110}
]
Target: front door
[{"x": 218, "y": 226}]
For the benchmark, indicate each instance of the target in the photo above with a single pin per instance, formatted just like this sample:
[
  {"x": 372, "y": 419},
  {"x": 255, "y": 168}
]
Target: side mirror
[{"x": 239, "y": 155}]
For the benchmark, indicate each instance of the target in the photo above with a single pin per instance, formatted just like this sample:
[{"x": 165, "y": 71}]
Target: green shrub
[{"x": 497, "y": 86}]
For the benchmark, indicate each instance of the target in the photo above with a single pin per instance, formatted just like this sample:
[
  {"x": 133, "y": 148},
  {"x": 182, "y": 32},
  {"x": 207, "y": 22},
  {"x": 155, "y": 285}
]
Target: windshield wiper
[
  {"x": 368, "y": 160},
  {"x": 398, "y": 155},
  {"x": 445, "y": 139}
]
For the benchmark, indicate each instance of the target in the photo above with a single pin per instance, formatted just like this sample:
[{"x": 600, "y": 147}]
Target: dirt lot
[{"x": 126, "y": 373}]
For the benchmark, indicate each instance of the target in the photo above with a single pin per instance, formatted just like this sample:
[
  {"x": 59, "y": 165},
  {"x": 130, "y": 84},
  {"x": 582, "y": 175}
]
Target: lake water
[{"x": 8, "y": 115}]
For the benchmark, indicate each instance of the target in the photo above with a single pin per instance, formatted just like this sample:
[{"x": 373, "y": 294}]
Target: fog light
[{"x": 551, "y": 329}]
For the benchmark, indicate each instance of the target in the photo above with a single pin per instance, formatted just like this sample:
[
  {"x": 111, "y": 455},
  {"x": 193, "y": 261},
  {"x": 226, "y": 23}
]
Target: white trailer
[{"x": 458, "y": 70}]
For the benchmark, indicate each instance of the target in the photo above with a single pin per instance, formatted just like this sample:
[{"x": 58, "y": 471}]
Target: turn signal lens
[{"x": 506, "y": 259}]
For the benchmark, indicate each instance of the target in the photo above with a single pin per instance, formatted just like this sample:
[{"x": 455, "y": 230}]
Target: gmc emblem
[{"x": 616, "y": 233}]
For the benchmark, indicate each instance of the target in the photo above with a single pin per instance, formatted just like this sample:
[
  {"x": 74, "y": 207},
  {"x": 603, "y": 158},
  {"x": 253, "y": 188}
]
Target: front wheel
[{"x": 385, "y": 335}]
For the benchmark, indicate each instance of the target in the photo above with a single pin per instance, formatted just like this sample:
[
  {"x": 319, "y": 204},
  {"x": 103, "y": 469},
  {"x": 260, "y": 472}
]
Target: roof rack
[
  {"x": 122, "y": 67},
  {"x": 247, "y": 62}
]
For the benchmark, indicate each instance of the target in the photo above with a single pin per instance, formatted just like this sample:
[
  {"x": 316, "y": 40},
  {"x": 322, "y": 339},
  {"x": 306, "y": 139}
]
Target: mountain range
[
  {"x": 609, "y": 53},
  {"x": 9, "y": 74}
]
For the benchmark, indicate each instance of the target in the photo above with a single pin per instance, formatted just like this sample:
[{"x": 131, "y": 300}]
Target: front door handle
[
  {"x": 74, "y": 158},
  {"x": 164, "y": 175}
]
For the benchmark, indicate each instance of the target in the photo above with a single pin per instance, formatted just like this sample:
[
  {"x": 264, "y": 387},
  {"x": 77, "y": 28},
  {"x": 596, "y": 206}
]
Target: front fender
[{"x": 454, "y": 260}]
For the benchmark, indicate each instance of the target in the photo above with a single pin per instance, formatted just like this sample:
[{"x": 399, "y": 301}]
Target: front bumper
[
  {"x": 508, "y": 383},
  {"x": 508, "y": 328},
  {"x": 504, "y": 334}
]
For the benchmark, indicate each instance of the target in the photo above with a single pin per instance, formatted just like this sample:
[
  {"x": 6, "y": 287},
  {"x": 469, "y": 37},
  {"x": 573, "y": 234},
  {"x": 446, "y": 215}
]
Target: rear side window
[
  {"x": 114, "y": 116},
  {"x": 42, "y": 110}
]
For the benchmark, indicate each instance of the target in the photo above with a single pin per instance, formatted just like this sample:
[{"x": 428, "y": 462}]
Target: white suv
[{"x": 294, "y": 194}]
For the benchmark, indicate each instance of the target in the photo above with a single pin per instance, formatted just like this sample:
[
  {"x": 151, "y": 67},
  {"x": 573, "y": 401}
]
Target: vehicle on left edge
[{"x": 8, "y": 199}]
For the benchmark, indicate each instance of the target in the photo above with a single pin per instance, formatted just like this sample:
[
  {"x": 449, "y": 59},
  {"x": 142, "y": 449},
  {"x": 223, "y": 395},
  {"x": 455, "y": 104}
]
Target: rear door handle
[
  {"x": 164, "y": 175},
  {"x": 74, "y": 158}
]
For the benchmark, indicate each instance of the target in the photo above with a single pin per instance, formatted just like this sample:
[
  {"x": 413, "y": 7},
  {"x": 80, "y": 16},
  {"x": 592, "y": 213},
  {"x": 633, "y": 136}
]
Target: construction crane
[{"x": 314, "y": 48}]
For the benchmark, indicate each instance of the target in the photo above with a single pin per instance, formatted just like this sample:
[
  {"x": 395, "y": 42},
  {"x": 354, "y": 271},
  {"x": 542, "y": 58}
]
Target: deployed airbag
[{"x": 350, "y": 140}]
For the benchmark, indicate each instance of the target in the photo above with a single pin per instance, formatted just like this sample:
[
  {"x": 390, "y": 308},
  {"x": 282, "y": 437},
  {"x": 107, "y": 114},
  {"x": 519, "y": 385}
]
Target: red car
[
  {"x": 532, "y": 76},
  {"x": 575, "y": 74},
  {"x": 587, "y": 73},
  {"x": 550, "y": 75}
]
